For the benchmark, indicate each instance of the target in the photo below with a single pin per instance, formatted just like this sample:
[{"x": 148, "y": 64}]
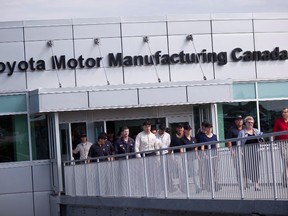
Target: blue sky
[{"x": 12, "y": 10}]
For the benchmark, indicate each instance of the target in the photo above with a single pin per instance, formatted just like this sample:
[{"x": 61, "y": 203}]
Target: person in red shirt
[{"x": 281, "y": 124}]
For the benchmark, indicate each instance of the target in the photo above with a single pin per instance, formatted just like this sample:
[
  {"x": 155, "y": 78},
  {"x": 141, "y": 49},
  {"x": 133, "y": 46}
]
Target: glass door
[
  {"x": 173, "y": 121},
  {"x": 65, "y": 142}
]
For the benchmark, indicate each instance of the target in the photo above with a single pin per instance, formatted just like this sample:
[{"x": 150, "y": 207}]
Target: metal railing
[{"x": 253, "y": 171}]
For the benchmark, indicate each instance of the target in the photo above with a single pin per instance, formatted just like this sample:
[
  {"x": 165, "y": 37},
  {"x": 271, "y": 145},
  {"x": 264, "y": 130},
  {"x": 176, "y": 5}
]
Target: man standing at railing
[
  {"x": 233, "y": 132},
  {"x": 99, "y": 149},
  {"x": 83, "y": 147},
  {"x": 281, "y": 124},
  {"x": 146, "y": 141},
  {"x": 124, "y": 144}
]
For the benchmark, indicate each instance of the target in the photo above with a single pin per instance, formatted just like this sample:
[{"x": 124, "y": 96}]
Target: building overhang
[{"x": 128, "y": 96}]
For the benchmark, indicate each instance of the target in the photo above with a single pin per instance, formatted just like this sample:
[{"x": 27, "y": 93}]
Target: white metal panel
[
  {"x": 41, "y": 177},
  {"x": 209, "y": 93},
  {"x": 95, "y": 31},
  {"x": 50, "y": 79},
  {"x": 11, "y": 35},
  {"x": 17, "y": 204},
  {"x": 39, "y": 50},
  {"x": 88, "y": 49},
  {"x": 16, "y": 81},
  {"x": 228, "y": 42},
  {"x": 266, "y": 25},
  {"x": 144, "y": 29},
  {"x": 269, "y": 69},
  {"x": 190, "y": 71},
  {"x": 63, "y": 101},
  {"x": 113, "y": 98},
  {"x": 232, "y": 26},
  {"x": 11, "y": 183},
  {"x": 98, "y": 77},
  {"x": 274, "y": 39},
  {"x": 48, "y": 33},
  {"x": 42, "y": 203},
  {"x": 166, "y": 95},
  {"x": 236, "y": 70},
  {"x": 189, "y": 27},
  {"x": 145, "y": 74},
  {"x": 180, "y": 43},
  {"x": 11, "y": 52}
]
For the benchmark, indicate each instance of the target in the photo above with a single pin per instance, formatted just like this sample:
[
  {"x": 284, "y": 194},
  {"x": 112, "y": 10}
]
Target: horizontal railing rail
[{"x": 253, "y": 171}]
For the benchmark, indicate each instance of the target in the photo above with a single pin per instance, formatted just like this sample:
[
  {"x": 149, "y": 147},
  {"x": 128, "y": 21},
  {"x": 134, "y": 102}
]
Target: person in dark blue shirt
[
  {"x": 192, "y": 157},
  {"x": 124, "y": 144},
  {"x": 209, "y": 136},
  {"x": 99, "y": 149}
]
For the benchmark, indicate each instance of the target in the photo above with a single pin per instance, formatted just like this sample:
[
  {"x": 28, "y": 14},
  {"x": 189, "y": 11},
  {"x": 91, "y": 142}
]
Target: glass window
[
  {"x": 14, "y": 141},
  {"x": 39, "y": 137},
  {"x": 269, "y": 111},
  {"x": 244, "y": 91},
  {"x": 272, "y": 90},
  {"x": 13, "y": 103},
  {"x": 230, "y": 110}
]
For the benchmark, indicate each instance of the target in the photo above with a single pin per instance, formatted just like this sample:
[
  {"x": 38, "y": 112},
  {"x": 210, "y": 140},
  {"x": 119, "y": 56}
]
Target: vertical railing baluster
[
  {"x": 186, "y": 173},
  {"x": 241, "y": 170},
  {"x": 128, "y": 173},
  {"x": 211, "y": 172},
  {"x": 273, "y": 168},
  {"x": 163, "y": 156},
  {"x": 145, "y": 175}
]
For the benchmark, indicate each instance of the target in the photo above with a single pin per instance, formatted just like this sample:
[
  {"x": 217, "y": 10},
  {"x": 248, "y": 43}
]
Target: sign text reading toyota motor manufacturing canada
[{"x": 118, "y": 60}]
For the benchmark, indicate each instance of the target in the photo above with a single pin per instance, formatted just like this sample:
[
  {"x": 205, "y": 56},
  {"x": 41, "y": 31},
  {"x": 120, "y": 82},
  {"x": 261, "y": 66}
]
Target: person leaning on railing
[
  {"x": 251, "y": 153},
  {"x": 207, "y": 135},
  {"x": 99, "y": 149},
  {"x": 233, "y": 132},
  {"x": 281, "y": 124}
]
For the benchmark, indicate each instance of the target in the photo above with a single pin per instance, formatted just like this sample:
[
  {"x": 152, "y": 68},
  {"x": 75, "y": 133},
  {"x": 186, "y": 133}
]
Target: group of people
[
  {"x": 148, "y": 141},
  {"x": 251, "y": 155}
]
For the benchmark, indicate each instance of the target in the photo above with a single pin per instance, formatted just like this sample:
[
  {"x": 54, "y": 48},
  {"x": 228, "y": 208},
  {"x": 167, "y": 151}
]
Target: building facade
[{"x": 59, "y": 78}]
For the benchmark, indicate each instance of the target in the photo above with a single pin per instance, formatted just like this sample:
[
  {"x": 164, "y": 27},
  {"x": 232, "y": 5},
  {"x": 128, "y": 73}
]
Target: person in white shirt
[
  {"x": 83, "y": 147},
  {"x": 146, "y": 140},
  {"x": 163, "y": 138}
]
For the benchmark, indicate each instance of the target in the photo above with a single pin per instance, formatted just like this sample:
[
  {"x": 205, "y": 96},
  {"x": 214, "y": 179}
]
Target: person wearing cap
[
  {"x": 83, "y": 147},
  {"x": 99, "y": 149},
  {"x": 109, "y": 144},
  {"x": 192, "y": 157},
  {"x": 233, "y": 132},
  {"x": 176, "y": 140},
  {"x": 146, "y": 141}
]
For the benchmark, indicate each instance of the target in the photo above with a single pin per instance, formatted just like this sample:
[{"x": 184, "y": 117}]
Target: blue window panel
[
  {"x": 244, "y": 91},
  {"x": 273, "y": 90},
  {"x": 13, "y": 103}
]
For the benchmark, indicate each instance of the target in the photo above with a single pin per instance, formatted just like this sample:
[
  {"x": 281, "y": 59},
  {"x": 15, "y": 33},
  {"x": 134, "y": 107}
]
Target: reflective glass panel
[{"x": 14, "y": 141}]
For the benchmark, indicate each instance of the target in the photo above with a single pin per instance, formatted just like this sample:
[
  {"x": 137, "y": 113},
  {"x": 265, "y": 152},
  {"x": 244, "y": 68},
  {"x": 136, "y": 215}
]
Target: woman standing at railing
[
  {"x": 251, "y": 152},
  {"x": 208, "y": 136}
]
